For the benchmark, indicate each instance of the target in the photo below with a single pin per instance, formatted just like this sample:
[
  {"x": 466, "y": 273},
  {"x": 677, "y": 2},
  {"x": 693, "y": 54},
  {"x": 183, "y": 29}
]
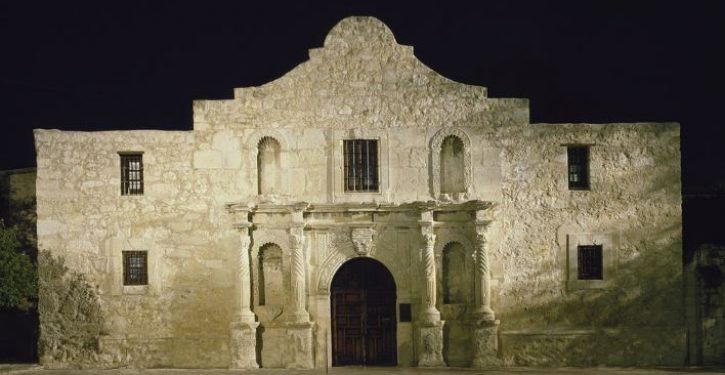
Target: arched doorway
[{"x": 363, "y": 314}]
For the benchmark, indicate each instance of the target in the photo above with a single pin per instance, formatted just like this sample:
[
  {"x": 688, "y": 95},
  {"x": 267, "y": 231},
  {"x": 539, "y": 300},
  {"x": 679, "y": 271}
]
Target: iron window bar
[
  {"x": 131, "y": 174},
  {"x": 135, "y": 268},
  {"x": 361, "y": 165}
]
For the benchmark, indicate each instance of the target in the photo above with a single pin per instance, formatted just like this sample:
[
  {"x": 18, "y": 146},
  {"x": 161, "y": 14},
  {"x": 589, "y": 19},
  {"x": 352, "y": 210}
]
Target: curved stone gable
[{"x": 361, "y": 77}]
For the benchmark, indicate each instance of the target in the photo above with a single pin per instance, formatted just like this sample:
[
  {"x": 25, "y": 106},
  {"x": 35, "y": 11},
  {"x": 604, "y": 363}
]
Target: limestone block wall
[
  {"x": 181, "y": 317},
  {"x": 361, "y": 84},
  {"x": 633, "y": 209}
]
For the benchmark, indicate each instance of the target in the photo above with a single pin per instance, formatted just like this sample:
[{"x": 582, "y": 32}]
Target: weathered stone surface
[
  {"x": 431, "y": 345},
  {"x": 203, "y": 204},
  {"x": 485, "y": 345}
]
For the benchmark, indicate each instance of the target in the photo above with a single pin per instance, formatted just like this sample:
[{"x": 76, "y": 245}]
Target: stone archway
[{"x": 363, "y": 301}]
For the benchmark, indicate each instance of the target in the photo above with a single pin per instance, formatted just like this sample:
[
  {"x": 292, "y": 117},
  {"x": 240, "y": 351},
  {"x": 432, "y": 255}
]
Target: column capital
[
  {"x": 245, "y": 241},
  {"x": 296, "y": 237},
  {"x": 482, "y": 227}
]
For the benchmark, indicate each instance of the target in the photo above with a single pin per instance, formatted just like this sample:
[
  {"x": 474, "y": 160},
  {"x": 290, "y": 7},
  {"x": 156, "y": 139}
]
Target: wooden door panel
[{"x": 364, "y": 319}]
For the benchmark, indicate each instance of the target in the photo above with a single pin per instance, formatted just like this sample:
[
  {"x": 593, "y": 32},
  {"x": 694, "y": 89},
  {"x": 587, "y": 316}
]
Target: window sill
[
  {"x": 574, "y": 285},
  {"x": 135, "y": 289}
]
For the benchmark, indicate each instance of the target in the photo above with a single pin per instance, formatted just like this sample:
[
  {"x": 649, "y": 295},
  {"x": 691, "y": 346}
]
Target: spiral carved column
[
  {"x": 430, "y": 312},
  {"x": 243, "y": 329},
  {"x": 298, "y": 293},
  {"x": 430, "y": 352},
  {"x": 483, "y": 309},
  {"x": 484, "y": 323}
]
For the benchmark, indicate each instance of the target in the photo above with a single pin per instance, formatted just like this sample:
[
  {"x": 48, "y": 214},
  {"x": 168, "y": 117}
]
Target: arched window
[
  {"x": 452, "y": 166},
  {"x": 456, "y": 278},
  {"x": 268, "y": 155},
  {"x": 271, "y": 288}
]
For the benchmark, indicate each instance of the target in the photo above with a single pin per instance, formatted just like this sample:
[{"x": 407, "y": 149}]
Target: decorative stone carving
[
  {"x": 243, "y": 330},
  {"x": 435, "y": 151},
  {"x": 362, "y": 239},
  {"x": 482, "y": 309},
  {"x": 431, "y": 345},
  {"x": 243, "y": 345},
  {"x": 328, "y": 268},
  {"x": 298, "y": 292},
  {"x": 301, "y": 355},
  {"x": 485, "y": 345},
  {"x": 430, "y": 313}
]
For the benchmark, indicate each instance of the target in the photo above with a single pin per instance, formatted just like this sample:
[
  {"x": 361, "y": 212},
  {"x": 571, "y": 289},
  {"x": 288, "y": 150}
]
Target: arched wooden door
[{"x": 363, "y": 314}]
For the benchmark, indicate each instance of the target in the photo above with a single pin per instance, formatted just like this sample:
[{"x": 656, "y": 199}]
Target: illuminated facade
[{"x": 363, "y": 209}]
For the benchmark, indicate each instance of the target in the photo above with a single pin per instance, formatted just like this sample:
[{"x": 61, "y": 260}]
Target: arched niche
[
  {"x": 279, "y": 158},
  {"x": 450, "y": 164},
  {"x": 270, "y": 275},
  {"x": 456, "y": 277},
  {"x": 268, "y": 166}
]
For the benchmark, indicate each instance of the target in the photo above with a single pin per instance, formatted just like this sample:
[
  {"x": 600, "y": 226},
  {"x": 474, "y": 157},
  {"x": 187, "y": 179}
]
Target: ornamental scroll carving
[
  {"x": 340, "y": 249},
  {"x": 363, "y": 241},
  {"x": 435, "y": 153}
]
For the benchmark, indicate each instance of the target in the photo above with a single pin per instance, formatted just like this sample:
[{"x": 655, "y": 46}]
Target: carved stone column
[
  {"x": 299, "y": 352},
  {"x": 482, "y": 276},
  {"x": 299, "y": 291},
  {"x": 430, "y": 312},
  {"x": 243, "y": 329},
  {"x": 430, "y": 348},
  {"x": 484, "y": 323}
]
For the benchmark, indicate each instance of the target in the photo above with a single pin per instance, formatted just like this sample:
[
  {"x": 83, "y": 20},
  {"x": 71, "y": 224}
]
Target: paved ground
[{"x": 34, "y": 369}]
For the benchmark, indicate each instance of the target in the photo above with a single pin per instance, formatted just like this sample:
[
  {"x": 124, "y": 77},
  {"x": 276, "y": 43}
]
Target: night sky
[{"x": 138, "y": 66}]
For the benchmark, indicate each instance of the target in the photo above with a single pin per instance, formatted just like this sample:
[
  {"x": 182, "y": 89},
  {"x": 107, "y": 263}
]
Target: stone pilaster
[
  {"x": 482, "y": 276},
  {"x": 298, "y": 286},
  {"x": 300, "y": 353},
  {"x": 430, "y": 348},
  {"x": 430, "y": 313},
  {"x": 484, "y": 323},
  {"x": 243, "y": 329}
]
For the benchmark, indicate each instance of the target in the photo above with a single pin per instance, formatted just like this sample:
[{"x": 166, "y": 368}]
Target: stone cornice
[{"x": 416, "y": 207}]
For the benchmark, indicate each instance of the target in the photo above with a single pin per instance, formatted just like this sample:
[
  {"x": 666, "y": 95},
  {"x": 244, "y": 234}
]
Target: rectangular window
[
  {"x": 405, "y": 315},
  {"x": 135, "y": 269},
  {"x": 131, "y": 174},
  {"x": 361, "y": 165},
  {"x": 578, "y": 161},
  {"x": 589, "y": 262}
]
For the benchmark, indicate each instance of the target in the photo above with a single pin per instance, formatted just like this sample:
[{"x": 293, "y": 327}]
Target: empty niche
[
  {"x": 456, "y": 279},
  {"x": 268, "y": 165},
  {"x": 271, "y": 288},
  {"x": 452, "y": 166}
]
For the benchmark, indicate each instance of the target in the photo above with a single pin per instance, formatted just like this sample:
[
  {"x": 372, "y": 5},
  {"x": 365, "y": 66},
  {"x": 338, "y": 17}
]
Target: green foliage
[
  {"x": 71, "y": 319},
  {"x": 17, "y": 273}
]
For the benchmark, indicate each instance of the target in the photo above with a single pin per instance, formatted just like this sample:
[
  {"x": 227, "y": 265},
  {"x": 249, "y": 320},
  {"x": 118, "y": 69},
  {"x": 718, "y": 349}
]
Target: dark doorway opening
[{"x": 363, "y": 315}]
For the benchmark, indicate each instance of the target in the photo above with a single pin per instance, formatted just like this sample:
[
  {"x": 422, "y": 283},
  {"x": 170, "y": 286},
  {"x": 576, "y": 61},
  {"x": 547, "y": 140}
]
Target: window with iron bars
[
  {"x": 578, "y": 165},
  {"x": 589, "y": 262},
  {"x": 131, "y": 174},
  {"x": 135, "y": 268},
  {"x": 361, "y": 165}
]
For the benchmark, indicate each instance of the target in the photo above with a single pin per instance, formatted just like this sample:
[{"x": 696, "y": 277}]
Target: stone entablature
[{"x": 472, "y": 216}]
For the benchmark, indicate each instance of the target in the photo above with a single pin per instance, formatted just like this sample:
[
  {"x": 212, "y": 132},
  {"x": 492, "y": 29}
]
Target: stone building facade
[{"x": 363, "y": 209}]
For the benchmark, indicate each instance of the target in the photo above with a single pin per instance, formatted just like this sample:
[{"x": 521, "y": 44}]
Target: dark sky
[{"x": 134, "y": 65}]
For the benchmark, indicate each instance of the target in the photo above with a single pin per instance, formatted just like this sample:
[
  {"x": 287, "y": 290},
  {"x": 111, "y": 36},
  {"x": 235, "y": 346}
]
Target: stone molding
[{"x": 435, "y": 152}]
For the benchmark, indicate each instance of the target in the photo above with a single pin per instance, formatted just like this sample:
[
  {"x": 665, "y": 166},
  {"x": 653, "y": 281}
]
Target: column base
[
  {"x": 485, "y": 344},
  {"x": 430, "y": 345},
  {"x": 300, "y": 355},
  {"x": 243, "y": 345}
]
